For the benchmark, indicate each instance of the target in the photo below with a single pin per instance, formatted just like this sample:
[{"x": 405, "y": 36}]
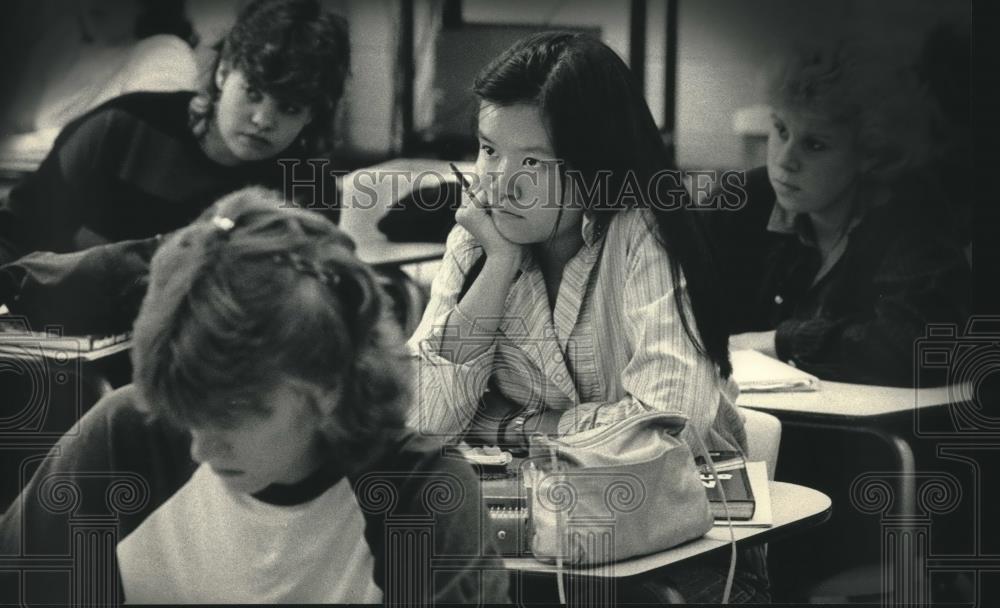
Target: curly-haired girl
[
  {"x": 265, "y": 435},
  {"x": 147, "y": 163},
  {"x": 833, "y": 264}
]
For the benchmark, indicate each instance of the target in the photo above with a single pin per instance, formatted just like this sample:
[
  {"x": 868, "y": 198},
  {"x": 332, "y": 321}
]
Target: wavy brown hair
[
  {"x": 292, "y": 50},
  {"x": 255, "y": 293}
]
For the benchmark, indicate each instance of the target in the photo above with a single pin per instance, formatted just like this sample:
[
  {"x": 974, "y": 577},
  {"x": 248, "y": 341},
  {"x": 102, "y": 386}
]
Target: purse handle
[
  {"x": 556, "y": 464},
  {"x": 728, "y": 588}
]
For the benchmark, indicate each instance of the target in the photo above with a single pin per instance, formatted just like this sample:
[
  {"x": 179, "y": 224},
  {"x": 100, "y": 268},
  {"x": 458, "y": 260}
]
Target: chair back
[{"x": 763, "y": 437}]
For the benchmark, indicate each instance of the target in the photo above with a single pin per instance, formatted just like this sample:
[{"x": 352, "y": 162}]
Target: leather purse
[{"x": 622, "y": 490}]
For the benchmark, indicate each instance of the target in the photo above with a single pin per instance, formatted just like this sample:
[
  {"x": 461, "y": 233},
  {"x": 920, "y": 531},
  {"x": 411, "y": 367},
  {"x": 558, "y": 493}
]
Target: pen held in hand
[{"x": 465, "y": 184}]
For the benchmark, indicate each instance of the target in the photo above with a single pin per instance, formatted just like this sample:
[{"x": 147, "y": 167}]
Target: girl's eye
[
  {"x": 531, "y": 162},
  {"x": 253, "y": 94},
  {"x": 291, "y": 110},
  {"x": 814, "y": 145},
  {"x": 780, "y": 130},
  {"x": 489, "y": 151}
]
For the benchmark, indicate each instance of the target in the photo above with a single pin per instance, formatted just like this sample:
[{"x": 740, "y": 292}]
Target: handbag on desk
[{"x": 606, "y": 494}]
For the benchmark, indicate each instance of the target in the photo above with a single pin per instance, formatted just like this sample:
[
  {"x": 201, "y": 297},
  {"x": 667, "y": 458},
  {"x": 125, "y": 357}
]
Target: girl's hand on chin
[{"x": 474, "y": 215}]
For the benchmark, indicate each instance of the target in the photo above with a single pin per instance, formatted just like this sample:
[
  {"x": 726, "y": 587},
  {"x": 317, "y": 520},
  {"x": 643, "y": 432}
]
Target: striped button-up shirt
[{"x": 612, "y": 346}]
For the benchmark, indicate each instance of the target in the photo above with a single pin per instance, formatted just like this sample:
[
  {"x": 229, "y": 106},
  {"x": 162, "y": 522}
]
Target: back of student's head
[
  {"x": 600, "y": 126},
  {"x": 856, "y": 82},
  {"x": 293, "y": 50},
  {"x": 255, "y": 293}
]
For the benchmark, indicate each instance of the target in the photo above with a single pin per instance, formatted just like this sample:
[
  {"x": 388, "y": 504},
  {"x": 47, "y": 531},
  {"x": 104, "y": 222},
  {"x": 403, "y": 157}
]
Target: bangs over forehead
[
  {"x": 292, "y": 50},
  {"x": 273, "y": 72}
]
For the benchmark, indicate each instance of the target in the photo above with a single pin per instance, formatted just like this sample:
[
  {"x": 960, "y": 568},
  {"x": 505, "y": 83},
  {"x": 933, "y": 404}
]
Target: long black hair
[{"x": 601, "y": 128}]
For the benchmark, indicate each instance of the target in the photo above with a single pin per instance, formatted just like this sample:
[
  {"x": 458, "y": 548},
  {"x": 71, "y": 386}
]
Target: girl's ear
[
  {"x": 327, "y": 400},
  {"x": 882, "y": 166},
  {"x": 221, "y": 73}
]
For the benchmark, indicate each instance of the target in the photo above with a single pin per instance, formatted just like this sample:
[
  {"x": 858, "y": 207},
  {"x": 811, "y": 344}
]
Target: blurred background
[
  {"x": 409, "y": 97},
  {"x": 413, "y": 62}
]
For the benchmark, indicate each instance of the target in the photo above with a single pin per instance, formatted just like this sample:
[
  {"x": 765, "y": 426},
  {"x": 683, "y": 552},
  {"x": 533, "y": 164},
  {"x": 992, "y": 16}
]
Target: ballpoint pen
[{"x": 465, "y": 183}]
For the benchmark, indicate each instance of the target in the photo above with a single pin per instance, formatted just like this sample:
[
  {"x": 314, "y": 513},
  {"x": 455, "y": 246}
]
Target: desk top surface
[
  {"x": 386, "y": 253},
  {"x": 842, "y": 400},
  {"x": 793, "y": 507}
]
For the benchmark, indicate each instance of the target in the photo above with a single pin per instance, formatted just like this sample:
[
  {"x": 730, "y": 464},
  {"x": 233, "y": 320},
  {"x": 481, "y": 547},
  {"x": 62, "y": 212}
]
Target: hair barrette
[{"x": 223, "y": 223}]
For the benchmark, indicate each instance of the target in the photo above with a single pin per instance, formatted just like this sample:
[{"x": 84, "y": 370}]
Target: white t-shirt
[{"x": 207, "y": 544}]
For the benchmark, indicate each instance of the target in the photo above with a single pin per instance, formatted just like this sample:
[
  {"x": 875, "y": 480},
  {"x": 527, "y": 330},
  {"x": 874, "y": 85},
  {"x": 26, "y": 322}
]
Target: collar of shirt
[
  {"x": 781, "y": 221},
  {"x": 590, "y": 232}
]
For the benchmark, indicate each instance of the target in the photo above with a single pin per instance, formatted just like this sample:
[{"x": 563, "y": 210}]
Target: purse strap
[
  {"x": 557, "y": 467},
  {"x": 727, "y": 590}
]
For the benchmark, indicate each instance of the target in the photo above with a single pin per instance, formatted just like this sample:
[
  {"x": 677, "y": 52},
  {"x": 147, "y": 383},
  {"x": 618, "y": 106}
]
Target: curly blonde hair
[
  {"x": 256, "y": 292},
  {"x": 853, "y": 82}
]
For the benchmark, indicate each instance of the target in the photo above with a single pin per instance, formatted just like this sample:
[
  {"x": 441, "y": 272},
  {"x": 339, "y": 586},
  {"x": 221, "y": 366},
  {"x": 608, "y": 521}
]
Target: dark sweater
[
  {"x": 860, "y": 320},
  {"x": 118, "y": 477},
  {"x": 130, "y": 169}
]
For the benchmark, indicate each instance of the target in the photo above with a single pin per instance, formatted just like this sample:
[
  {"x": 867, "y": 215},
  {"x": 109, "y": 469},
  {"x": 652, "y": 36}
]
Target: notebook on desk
[
  {"x": 755, "y": 372},
  {"x": 16, "y": 340}
]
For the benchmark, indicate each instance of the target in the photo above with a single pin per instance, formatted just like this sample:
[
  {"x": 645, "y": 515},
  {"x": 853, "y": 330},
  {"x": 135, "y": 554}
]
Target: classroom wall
[
  {"x": 490, "y": 27},
  {"x": 721, "y": 46},
  {"x": 723, "y": 43}
]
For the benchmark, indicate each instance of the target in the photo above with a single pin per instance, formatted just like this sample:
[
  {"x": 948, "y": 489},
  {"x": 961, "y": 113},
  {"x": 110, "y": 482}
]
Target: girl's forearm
[{"x": 472, "y": 325}]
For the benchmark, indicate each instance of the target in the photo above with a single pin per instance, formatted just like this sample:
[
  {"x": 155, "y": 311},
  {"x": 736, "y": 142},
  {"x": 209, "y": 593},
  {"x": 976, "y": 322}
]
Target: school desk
[
  {"x": 900, "y": 497},
  {"x": 880, "y": 411},
  {"x": 382, "y": 253},
  {"x": 794, "y": 508}
]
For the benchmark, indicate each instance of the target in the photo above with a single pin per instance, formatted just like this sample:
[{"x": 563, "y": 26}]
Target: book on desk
[
  {"x": 748, "y": 494},
  {"x": 731, "y": 478},
  {"x": 18, "y": 341}
]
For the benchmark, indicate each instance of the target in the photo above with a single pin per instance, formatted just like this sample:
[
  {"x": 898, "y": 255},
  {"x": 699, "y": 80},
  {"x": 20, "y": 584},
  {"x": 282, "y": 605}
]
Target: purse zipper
[{"x": 613, "y": 428}]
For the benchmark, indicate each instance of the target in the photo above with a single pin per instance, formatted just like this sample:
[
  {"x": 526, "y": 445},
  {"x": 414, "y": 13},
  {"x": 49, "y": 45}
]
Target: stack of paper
[{"x": 755, "y": 372}]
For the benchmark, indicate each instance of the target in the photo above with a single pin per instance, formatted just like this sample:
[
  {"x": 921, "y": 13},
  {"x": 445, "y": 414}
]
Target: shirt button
[
  {"x": 778, "y": 299},
  {"x": 792, "y": 362}
]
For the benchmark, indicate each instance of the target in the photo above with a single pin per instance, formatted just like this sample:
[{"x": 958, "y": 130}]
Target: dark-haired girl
[
  {"x": 148, "y": 163},
  {"x": 575, "y": 290}
]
